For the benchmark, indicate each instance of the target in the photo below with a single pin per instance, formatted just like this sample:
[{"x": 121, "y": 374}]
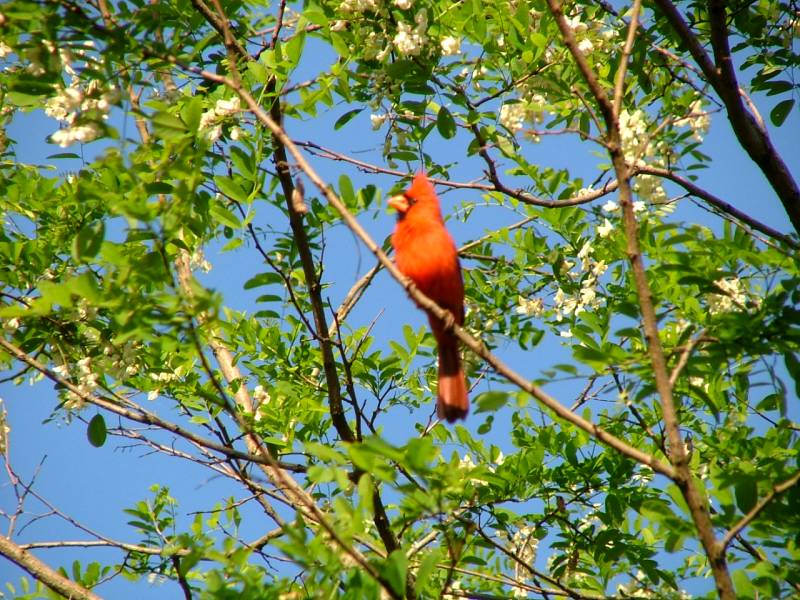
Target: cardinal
[{"x": 426, "y": 254}]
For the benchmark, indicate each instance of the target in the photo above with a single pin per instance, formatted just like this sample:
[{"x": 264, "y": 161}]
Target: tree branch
[
  {"x": 756, "y": 510},
  {"x": 43, "y": 572},
  {"x": 754, "y": 139},
  {"x": 681, "y": 475}
]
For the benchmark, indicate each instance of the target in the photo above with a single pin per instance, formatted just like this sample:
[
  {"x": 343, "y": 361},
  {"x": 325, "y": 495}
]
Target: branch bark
[
  {"x": 43, "y": 572},
  {"x": 753, "y": 138},
  {"x": 693, "y": 495}
]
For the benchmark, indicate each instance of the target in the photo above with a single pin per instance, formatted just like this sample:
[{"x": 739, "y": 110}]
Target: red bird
[{"x": 426, "y": 254}]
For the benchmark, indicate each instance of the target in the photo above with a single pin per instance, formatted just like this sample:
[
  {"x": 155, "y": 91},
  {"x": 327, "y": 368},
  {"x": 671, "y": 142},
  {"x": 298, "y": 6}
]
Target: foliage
[{"x": 316, "y": 414}]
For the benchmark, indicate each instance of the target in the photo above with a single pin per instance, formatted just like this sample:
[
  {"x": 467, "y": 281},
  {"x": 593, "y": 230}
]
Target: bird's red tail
[{"x": 452, "y": 401}]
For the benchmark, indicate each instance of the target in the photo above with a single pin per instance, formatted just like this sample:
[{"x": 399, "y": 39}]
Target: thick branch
[
  {"x": 695, "y": 498},
  {"x": 43, "y": 572},
  {"x": 753, "y": 138}
]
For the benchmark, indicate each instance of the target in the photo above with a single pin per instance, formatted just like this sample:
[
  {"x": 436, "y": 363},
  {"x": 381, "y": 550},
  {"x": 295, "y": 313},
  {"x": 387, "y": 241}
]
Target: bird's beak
[{"x": 399, "y": 203}]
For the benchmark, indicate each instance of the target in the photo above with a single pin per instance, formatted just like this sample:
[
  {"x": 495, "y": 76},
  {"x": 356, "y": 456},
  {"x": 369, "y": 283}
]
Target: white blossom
[
  {"x": 697, "y": 119},
  {"x": 339, "y": 25},
  {"x": 225, "y": 108},
  {"x": 403, "y": 4},
  {"x": 585, "y": 45},
  {"x": 5, "y": 50},
  {"x": 409, "y": 41},
  {"x": 260, "y": 395},
  {"x": 610, "y": 206},
  {"x": 533, "y": 307},
  {"x": 605, "y": 229},
  {"x": 377, "y": 121},
  {"x": 350, "y": 6},
  {"x": 79, "y": 133},
  {"x": 450, "y": 46},
  {"x": 512, "y": 116}
]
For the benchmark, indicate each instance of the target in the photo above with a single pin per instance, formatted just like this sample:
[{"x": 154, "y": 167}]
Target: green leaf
[
  {"x": 445, "y": 123},
  {"x": 87, "y": 243},
  {"x": 746, "y": 491},
  {"x": 96, "y": 432},
  {"x": 490, "y": 401},
  {"x": 231, "y": 188},
  {"x": 346, "y": 118},
  {"x": 168, "y": 125},
  {"x": 395, "y": 571},
  {"x": 224, "y": 216},
  {"x": 778, "y": 114},
  {"x": 346, "y": 190},
  {"x": 426, "y": 567}
]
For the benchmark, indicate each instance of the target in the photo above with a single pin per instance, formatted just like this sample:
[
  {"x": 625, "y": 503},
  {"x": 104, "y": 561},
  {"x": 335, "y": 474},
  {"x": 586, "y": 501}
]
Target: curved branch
[
  {"x": 754, "y": 139},
  {"x": 716, "y": 202},
  {"x": 694, "y": 496},
  {"x": 43, "y": 572}
]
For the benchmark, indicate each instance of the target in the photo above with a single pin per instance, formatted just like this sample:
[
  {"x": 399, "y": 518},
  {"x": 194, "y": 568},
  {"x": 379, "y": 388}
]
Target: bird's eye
[{"x": 411, "y": 200}]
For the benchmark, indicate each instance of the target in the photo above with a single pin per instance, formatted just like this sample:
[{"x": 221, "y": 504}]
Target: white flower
[
  {"x": 610, "y": 206},
  {"x": 61, "y": 370},
  {"x": 339, "y": 25},
  {"x": 80, "y": 133},
  {"x": 599, "y": 268},
  {"x": 224, "y": 108},
  {"x": 207, "y": 119},
  {"x": 534, "y": 307},
  {"x": 605, "y": 229},
  {"x": 697, "y": 119},
  {"x": 403, "y": 4},
  {"x": 11, "y": 324},
  {"x": 377, "y": 121},
  {"x": 450, "y": 45},
  {"x": 408, "y": 41},
  {"x": 585, "y": 46},
  {"x": 584, "y": 192},
  {"x": 512, "y": 116},
  {"x": 153, "y": 394},
  {"x": 576, "y": 24},
  {"x": 638, "y": 206},
  {"x": 5, "y": 50},
  {"x": 260, "y": 395},
  {"x": 565, "y": 334},
  {"x": 198, "y": 260},
  {"x": 236, "y": 133}
]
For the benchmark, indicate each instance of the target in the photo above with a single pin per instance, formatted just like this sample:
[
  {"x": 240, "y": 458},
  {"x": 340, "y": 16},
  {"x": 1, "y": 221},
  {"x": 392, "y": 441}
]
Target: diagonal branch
[
  {"x": 752, "y": 137},
  {"x": 756, "y": 510},
  {"x": 43, "y": 572}
]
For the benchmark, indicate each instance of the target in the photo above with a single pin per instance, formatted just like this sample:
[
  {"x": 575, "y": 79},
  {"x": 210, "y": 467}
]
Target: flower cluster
[
  {"x": 87, "y": 382},
  {"x": 212, "y": 119},
  {"x": 163, "y": 378},
  {"x": 586, "y": 297},
  {"x": 732, "y": 296},
  {"x": 409, "y": 41},
  {"x": 82, "y": 107},
  {"x": 197, "y": 260},
  {"x": 697, "y": 119}
]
